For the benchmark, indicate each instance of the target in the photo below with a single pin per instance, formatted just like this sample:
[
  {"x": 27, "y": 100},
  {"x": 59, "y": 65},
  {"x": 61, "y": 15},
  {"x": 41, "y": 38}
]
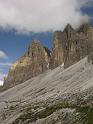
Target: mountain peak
[
  {"x": 35, "y": 41},
  {"x": 34, "y": 62},
  {"x": 68, "y": 27},
  {"x": 85, "y": 27}
]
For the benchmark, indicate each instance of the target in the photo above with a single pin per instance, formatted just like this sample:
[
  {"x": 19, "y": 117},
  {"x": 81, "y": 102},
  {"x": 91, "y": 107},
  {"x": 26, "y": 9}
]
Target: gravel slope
[{"x": 49, "y": 88}]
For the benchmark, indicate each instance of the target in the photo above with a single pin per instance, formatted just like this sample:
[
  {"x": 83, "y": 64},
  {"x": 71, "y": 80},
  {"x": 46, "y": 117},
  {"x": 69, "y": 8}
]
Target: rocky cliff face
[
  {"x": 34, "y": 62},
  {"x": 57, "y": 53},
  {"x": 71, "y": 45}
]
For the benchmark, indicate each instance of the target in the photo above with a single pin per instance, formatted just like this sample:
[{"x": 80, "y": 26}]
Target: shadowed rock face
[
  {"x": 71, "y": 45},
  {"x": 34, "y": 62}
]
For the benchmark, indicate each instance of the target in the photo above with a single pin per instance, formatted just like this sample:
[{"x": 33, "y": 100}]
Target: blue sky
[{"x": 15, "y": 37}]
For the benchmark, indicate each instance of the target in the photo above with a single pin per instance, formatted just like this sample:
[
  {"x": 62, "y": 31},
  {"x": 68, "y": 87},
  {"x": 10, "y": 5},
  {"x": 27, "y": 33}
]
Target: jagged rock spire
[
  {"x": 68, "y": 28},
  {"x": 85, "y": 27},
  {"x": 34, "y": 62},
  {"x": 75, "y": 45}
]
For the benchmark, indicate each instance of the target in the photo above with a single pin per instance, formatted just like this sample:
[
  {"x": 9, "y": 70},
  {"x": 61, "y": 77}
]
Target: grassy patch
[
  {"x": 30, "y": 116},
  {"x": 88, "y": 112}
]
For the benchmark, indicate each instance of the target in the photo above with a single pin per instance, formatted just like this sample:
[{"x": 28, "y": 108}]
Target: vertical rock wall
[{"x": 71, "y": 45}]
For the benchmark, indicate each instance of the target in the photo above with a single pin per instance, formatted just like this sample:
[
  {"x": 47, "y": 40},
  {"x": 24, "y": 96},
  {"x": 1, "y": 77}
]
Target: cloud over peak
[{"x": 41, "y": 15}]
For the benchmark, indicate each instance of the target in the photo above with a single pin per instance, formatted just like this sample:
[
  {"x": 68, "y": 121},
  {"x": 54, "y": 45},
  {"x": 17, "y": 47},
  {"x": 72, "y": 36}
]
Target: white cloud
[
  {"x": 2, "y": 75},
  {"x": 1, "y": 83},
  {"x": 3, "y": 55},
  {"x": 4, "y": 67},
  {"x": 5, "y": 64},
  {"x": 41, "y": 15}
]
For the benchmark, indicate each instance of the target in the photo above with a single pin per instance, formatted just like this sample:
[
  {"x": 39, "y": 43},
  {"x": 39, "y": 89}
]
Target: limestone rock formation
[
  {"x": 34, "y": 62},
  {"x": 71, "y": 45},
  {"x": 57, "y": 53}
]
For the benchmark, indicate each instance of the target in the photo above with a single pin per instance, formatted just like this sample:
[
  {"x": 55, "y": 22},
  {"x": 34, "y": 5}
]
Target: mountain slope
[{"x": 56, "y": 96}]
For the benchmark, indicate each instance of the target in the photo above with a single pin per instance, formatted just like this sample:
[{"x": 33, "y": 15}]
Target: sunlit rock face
[
  {"x": 72, "y": 45},
  {"x": 34, "y": 62},
  {"x": 57, "y": 53},
  {"x": 76, "y": 44}
]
